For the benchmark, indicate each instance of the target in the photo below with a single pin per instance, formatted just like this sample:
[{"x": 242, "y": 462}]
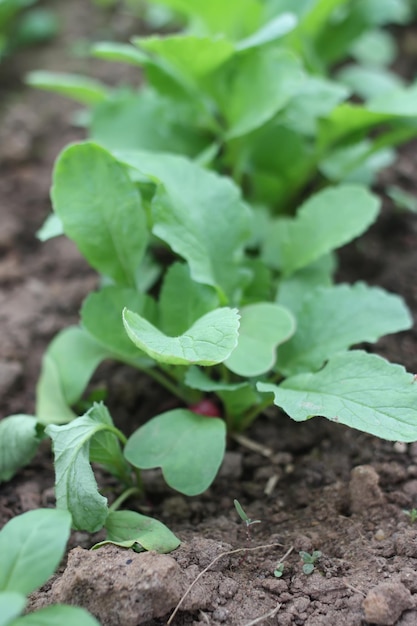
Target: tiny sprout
[
  {"x": 309, "y": 560},
  {"x": 412, "y": 515},
  {"x": 279, "y": 570},
  {"x": 243, "y": 515}
]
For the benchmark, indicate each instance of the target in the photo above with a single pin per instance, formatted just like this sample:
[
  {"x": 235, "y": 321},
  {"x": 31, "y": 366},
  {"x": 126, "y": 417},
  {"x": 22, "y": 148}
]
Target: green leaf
[
  {"x": 275, "y": 76},
  {"x": 18, "y": 444},
  {"x": 208, "y": 341},
  {"x": 375, "y": 47},
  {"x": 360, "y": 390},
  {"x": 163, "y": 127},
  {"x": 101, "y": 212},
  {"x": 105, "y": 447},
  {"x": 101, "y": 315},
  {"x": 11, "y": 605},
  {"x": 183, "y": 301},
  {"x": 129, "y": 529},
  {"x": 326, "y": 221},
  {"x": 263, "y": 327},
  {"x": 31, "y": 547},
  {"x": 292, "y": 289},
  {"x": 190, "y": 55},
  {"x": 200, "y": 215},
  {"x": 119, "y": 53},
  {"x": 75, "y": 487},
  {"x": 57, "y": 614},
  {"x": 61, "y": 384},
  {"x": 271, "y": 31},
  {"x": 52, "y": 227},
  {"x": 353, "y": 313},
  {"x": 188, "y": 447},
  {"x": 79, "y": 88},
  {"x": 368, "y": 82}
]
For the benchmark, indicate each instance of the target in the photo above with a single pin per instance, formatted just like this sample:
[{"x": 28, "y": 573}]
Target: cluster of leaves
[
  {"x": 31, "y": 548},
  {"x": 19, "y": 26},
  {"x": 213, "y": 284}
]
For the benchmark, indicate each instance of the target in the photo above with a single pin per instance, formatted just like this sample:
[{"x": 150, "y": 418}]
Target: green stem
[
  {"x": 163, "y": 380},
  {"x": 123, "y": 497},
  {"x": 252, "y": 413}
]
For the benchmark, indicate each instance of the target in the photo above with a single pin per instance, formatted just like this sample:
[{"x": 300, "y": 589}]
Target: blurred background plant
[{"x": 23, "y": 24}]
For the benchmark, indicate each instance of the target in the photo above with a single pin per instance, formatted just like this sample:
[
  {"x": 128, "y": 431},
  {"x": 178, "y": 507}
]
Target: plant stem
[
  {"x": 163, "y": 380},
  {"x": 124, "y": 496},
  {"x": 252, "y": 413}
]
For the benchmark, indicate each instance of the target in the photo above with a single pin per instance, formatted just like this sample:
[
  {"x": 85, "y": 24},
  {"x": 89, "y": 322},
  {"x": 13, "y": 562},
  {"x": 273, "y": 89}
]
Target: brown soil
[{"x": 314, "y": 486}]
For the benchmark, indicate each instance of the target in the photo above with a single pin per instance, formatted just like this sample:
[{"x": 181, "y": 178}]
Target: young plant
[
  {"x": 207, "y": 287},
  {"x": 31, "y": 548},
  {"x": 258, "y": 101},
  {"x": 243, "y": 516},
  {"x": 309, "y": 561},
  {"x": 230, "y": 315}
]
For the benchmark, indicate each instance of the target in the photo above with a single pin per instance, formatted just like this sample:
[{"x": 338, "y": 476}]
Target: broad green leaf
[
  {"x": 190, "y": 55},
  {"x": 11, "y": 605},
  {"x": 400, "y": 102},
  {"x": 75, "y": 487},
  {"x": 61, "y": 384},
  {"x": 130, "y": 529},
  {"x": 79, "y": 88},
  {"x": 200, "y": 215},
  {"x": 105, "y": 447},
  {"x": 315, "y": 98},
  {"x": 31, "y": 547},
  {"x": 101, "y": 212},
  {"x": 347, "y": 120},
  {"x": 57, "y": 614},
  {"x": 292, "y": 289},
  {"x": 208, "y": 341},
  {"x": 375, "y": 47},
  {"x": 18, "y": 444},
  {"x": 263, "y": 327},
  {"x": 275, "y": 76},
  {"x": 326, "y": 221},
  {"x": 357, "y": 163},
  {"x": 162, "y": 127},
  {"x": 183, "y": 301},
  {"x": 188, "y": 447},
  {"x": 101, "y": 315},
  {"x": 352, "y": 314},
  {"x": 360, "y": 390},
  {"x": 271, "y": 31},
  {"x": 369, "y": 82}
]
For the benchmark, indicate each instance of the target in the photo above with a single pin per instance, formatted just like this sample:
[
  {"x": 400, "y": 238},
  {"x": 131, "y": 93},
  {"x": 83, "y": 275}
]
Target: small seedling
[
  {"x": 411, "y": 514},
  {"x": 244, "y": 517},
  {"x": 309, "y": 560},
  {"x": 279, "y": 570}
]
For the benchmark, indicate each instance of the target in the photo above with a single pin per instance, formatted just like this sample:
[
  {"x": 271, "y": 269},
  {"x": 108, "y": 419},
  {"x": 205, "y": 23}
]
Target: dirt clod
[
  {"x": 364, "y": 489},
  {"x": 385, "y": 603},
  {"x": 119, "y": 587}
]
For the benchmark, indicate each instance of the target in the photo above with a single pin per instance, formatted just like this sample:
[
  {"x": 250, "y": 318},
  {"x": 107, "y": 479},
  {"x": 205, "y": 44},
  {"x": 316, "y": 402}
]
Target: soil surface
[{"x": 314, "y": 486}]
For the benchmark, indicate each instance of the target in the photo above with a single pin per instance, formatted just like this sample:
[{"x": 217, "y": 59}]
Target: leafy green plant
[
  {"x": 249, "y": 92},
  {"x": 219, "y": 288},
  {"x": 31, "y": 547},
  {"x": 309, "y": 561}
]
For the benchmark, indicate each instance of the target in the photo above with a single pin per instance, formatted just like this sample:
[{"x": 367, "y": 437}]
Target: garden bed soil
[{"x": 314, "y": 486}]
